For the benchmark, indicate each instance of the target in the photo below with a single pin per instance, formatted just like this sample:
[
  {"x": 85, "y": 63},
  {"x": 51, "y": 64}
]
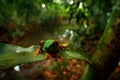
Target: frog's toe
[{"x": 48, "y": 56}]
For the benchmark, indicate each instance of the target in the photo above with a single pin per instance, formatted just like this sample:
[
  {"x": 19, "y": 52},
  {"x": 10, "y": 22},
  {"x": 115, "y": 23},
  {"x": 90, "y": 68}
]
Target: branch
[{"x": 105, "y": 59}]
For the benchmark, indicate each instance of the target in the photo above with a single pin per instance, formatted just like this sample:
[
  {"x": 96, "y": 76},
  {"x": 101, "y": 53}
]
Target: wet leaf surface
[{"x": 12, "y": 55}]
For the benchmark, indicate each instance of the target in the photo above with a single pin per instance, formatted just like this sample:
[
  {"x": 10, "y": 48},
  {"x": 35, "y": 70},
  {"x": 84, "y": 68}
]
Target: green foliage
[
  {"x": 78, "y": 54},
  {"x": 14, "y": 14},
  {"x": 94, "y": 12},
  {"x": 12, "y": 55},
  {"x": 50, "y": 13},
  {"x": 87, "y": 19},
  {"x": 17, "y": 11}
]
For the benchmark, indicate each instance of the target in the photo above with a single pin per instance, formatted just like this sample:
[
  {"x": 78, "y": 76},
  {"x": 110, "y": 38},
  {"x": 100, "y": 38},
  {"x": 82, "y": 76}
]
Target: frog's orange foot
[
  {"x": 37, "y": 52},
  {"x": 48, "y": 56},
  {"x": 62, "y": 47}
]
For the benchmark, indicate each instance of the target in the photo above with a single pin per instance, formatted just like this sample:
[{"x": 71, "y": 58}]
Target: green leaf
[
  {"x": 11, "y": 55},
  {"x": 78, "y": 54}
]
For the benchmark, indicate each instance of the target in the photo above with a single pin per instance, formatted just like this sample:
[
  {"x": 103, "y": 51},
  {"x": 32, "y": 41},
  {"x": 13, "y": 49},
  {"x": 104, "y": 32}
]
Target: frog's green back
[{"x": 48, "y": 43}]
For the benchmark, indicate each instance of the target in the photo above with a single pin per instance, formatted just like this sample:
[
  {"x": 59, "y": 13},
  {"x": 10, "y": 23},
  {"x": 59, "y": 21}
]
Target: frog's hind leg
[
  {"x": 48, "y": 56},
  {"x": 57, "y": 56}
]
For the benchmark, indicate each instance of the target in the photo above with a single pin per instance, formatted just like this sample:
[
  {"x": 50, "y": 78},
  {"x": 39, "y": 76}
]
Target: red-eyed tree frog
[{"x": 51, "y": 48}]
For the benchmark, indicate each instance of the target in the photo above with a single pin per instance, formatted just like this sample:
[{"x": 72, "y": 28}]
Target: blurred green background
[
  {"x": 45, "y": 19},
  {"x": 76, "y": 23}
]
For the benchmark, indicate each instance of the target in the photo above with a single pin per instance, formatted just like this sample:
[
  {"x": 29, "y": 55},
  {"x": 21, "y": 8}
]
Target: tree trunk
[{"x": 105, "y": 59}]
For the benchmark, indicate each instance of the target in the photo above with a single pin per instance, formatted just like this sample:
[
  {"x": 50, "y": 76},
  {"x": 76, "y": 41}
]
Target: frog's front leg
[
  {"x": 62, "y": 47},
  {"x": 38, "y": 52}
]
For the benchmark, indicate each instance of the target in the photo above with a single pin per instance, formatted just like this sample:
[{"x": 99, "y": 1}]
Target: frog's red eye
[{"x": 41, "y": 43}]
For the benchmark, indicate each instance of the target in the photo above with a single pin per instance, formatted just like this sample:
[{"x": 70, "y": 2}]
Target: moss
[{"x": 106, "y": 57}]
